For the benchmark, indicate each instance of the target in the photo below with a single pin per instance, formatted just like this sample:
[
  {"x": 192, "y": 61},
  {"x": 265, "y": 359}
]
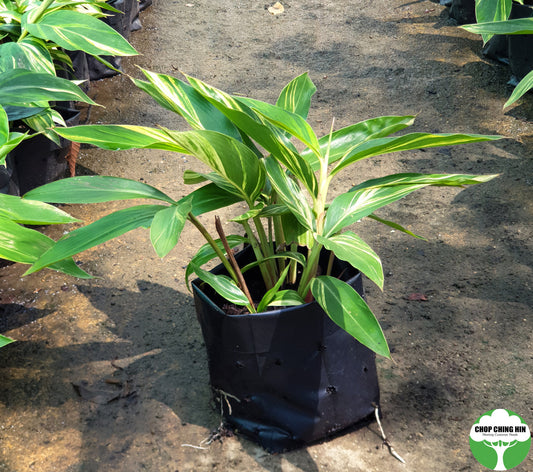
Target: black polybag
[
  {"x": 288, "y": 377},
  {"x": 521, "y": 45}
]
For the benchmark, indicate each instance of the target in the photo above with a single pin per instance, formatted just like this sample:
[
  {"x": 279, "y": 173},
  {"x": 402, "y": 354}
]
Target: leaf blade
[
  {"x": 167, "y": 226},
  {"x": 98, "y": 232},
  {"x": 349, "y": 311},
  {"x": 74, "y": 30},
  {"x": 351, "y": 248},
  {"x": 95, "y": 189}
]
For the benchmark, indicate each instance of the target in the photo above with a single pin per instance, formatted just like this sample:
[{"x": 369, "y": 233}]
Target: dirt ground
[{"x": 110, "y": 374}]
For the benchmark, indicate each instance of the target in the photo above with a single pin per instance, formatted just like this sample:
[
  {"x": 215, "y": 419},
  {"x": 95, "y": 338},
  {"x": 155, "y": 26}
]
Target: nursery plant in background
[
  {"x": 494, "y": 17},
  {"x": 34, "y": 36},
  {"x": 296, "y": 286}
]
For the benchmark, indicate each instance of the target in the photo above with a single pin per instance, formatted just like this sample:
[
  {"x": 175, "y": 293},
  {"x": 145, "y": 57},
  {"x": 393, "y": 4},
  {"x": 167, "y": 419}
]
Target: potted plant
[
  {"x": 297, "y": 286},
  {"x": 34, "y": 36},
  {"x": 504, "y": 17},
  {"x": 30, "y": 95}
]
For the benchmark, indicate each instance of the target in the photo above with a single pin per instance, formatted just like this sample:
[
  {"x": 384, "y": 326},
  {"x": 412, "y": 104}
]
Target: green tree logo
[{"x": 500, "y": 440}]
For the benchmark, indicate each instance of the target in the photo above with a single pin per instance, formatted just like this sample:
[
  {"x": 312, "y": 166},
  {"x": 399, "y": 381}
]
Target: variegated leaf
[
  {"x": 351, "y": 248},
  {"x": 291, "y": 195},
  {"x": 74, "y": 31},
  {"x": 296, "y": 95},
  {"x": 179, "y": 97},
  {"x": 346, "y": 308}
]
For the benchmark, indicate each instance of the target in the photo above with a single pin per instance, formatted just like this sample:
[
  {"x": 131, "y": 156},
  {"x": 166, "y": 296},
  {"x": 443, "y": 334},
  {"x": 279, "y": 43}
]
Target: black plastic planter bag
[
  {"x": 521, "y": 45},
  {"x": 288, "y": 377},
  {"x": 39, "y": 160},
  {"x": 463, "y": 11},
  {"x": 124, "y": 23},
  {"x": 8, "y": 177}
]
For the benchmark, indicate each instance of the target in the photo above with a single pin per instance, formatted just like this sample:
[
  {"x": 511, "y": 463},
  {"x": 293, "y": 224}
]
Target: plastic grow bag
[
  {"x": 521, "y": 45},
  {"x": 288, "y": 377},
  {"x": 39, "y": 160},
  {"x": 463, "y": 11}
]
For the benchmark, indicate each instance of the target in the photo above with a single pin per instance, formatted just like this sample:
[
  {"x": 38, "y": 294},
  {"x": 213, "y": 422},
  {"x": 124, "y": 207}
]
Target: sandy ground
[{"x": 110, "y": 374}]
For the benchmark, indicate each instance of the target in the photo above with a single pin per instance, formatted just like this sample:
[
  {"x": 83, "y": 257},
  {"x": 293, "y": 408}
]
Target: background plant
[
  {"x": 492, "y": 18},
  {"x": 35, "y": 36},
  {"x": 248, "y": 146}
]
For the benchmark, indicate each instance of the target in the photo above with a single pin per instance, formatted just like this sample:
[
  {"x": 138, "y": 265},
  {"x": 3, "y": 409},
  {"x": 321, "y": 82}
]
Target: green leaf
[
  {"x": 524, "y": 85},
  {"x": 19, "y": 112},
  {"x": 295, "y": 232},
  {"x": 94, "y": 189},
  {"x": 4, "y": 127},
  {"x": 350, "y": 207},
  {"x": 30, "y": 53},
  {"x": 276, "y": 209},
  {"x": 492, "y": 10},
  {"x": 167, "y": 227},
  {"x": 290, "y": 122},
  {"x": 351, "y": 248},
  {"x": 32, "y": 212},
  {"x": 209, "y": 198},
  {"x": 518, "y": 26},
  {"x": 286, "y": 298},
  {"x": 98, "y": 232},
  {"x": 206, "y": 253},
  {"x": 289, "y": 192},
  {"x": 296, "y": 95},
  {"x": 247, "y": 121},
  {"x": 348, "y": 310},
  {"x": 367, "y": 197},
  {"x": 120, "y": 137},
  {"x": 25, "y": 245},
  {"x": 192, "y": 178},
  {"x": 237, "y": 167},
  {"x": 21, "y": 244},
  {"x": 269, "y": 296},
  {"x": 14, "y": 140},
  {"x": 224, "y": 286},
  {"x": 4, "y": 340},
  {"x": 292, "y": 255},
  {"x": 44, "y": 121},
  {"x": 395, "y": 226},
  {"x": 252, "y": 213},
  {"x": 179, "y": 97},
  {"x": 74, "y": 31},
  {"x": 407, "y": 142},
  {"x": 438, "y": 180},
  {"x": 346, "y": 140},
  {"x": 20, "y": 86}
]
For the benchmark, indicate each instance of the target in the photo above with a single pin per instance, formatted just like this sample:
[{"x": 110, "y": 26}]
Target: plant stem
[
  {"x": 35, "y": 16},
  {"x": 214, "y": 245},
  {"x": 309, "y": 271},
  {"x": 330, "y": 263},
  {"x": 240, "y": 279},
  {"x": 266, "y": 274}
]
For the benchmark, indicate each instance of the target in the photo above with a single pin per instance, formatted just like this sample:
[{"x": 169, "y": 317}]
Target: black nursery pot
[
  {"x": 463, "y": 11},
  {"x": 521, "y": 45},
  {"x": 39, "y": 160},
  {"x": 288, "y": 377}
]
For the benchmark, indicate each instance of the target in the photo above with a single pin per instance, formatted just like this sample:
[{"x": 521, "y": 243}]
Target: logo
[{"x": 500, "y": 440}]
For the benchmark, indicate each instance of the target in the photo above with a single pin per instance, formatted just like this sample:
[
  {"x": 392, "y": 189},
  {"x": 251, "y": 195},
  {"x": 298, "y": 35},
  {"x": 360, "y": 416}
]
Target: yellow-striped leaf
[
  {"x": 351, "y": 248},
  {"x": 296, "y": 95},
  {"x": 98, "y": 232},
  {"x": 346, "y": 308},
  {"x": 167, "y": 226},
  {"x": 74, "y": 31},
  {"x": 94, "y": 189}
]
